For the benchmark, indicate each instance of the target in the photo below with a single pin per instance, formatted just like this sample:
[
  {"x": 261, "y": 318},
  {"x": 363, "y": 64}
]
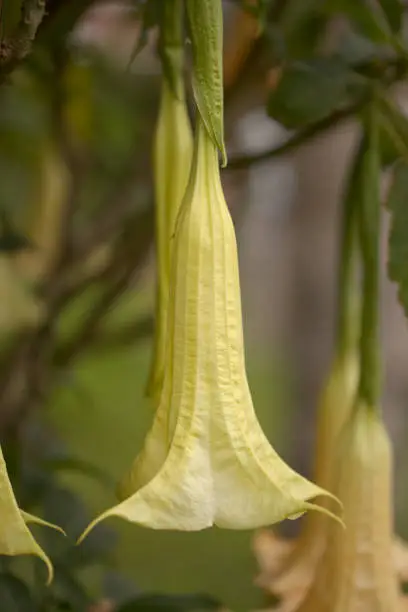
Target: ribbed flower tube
[
  {"x": 173, "y": 149},
  {"x": 206, "y": 460},
  {"x": 15, "y": 537}
]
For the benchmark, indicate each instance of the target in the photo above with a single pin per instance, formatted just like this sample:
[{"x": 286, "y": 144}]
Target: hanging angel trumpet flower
[
  {"x": 173, "y": 148},
  {"x": 356, "y": 571},
  {"x": 206, "y": 460},
  {"x": 287, "y": 566},
  {"x": 15, "y": 537}
]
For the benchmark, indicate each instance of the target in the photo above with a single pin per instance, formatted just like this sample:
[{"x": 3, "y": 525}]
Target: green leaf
[
  {"x": 15, "y": 595},
  {"x": 149, "y": 16},
  {"x": 310, "y": 91},
  {"x": 394, "y": 11},
  {"x": 366, "y": 16},
  {"x": 394, "y": 133},
  {"x": 398, "y": 236},
  {"x": 302, "y": 26},
  {"x": 171, "y": 603}
]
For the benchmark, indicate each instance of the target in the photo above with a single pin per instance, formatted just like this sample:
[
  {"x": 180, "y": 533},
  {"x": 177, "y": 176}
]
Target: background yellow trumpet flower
[
  {"x": 356, "y": 572},
  {"x": 287, "y": 566}
]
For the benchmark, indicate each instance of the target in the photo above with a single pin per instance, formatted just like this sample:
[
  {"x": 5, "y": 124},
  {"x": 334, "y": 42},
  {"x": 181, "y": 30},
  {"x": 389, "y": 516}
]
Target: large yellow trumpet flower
[{"x": 206, "y": 460}]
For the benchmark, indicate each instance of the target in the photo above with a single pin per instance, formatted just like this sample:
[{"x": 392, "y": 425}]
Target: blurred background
[{"x": 77, "y": 118}]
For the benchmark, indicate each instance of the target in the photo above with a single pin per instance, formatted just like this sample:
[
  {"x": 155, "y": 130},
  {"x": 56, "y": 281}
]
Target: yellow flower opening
[
  {"x": 356, "y": 572},
  {"x": 173, "y": 148},
  {"x": 15, "y": 537},
  {"x": 206, "y": 460}
]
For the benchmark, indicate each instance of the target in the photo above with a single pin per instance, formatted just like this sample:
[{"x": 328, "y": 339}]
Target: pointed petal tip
[
  {"x": 325, "y": 493},
  {"x": 111, "y": 512},
  {"x": 323, "y": 510},
  {"x": 30, "y": 518},
  {"x": 88, "y": 529},
  {"x": 50, "y": 570},
  {"x": 38, "y": 552}
]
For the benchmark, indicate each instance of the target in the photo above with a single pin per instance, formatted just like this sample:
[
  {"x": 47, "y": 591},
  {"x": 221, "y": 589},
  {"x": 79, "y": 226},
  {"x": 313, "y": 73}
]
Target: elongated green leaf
[
  {"x": 149, "y": 15},
  {"x": 394, "y": 133},
  {"x": 205, "y": 19},
  {"x": 398, "y": 237}
]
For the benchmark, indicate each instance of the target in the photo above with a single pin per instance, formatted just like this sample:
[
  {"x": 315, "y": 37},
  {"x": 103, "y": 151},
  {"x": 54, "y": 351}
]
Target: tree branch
[
  {"x": 16, "y": 47},
  {"x": 386, "y": 71},
  {"x": 300, "y": 138}
]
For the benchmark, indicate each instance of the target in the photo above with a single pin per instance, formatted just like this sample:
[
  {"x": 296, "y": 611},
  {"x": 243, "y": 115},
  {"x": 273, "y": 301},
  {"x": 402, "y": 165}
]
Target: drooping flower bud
[
  {"x": 206, "y": 460},
  {"x": 173, "y": 149},
  {"x": 15, "y": 537}
]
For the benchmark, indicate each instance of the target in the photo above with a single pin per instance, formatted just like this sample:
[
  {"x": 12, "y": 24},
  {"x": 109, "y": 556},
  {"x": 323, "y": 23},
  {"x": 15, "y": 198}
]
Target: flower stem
[
  {"x": 369, "y": 385},
  {"x": 171, "y": 47},
  {"x": 348, "y": 301}
]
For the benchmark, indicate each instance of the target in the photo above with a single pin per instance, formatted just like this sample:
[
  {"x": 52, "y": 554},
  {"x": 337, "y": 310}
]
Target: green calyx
[
  {"x": 205, "y": 21},
  {"x": 171, "y": 46}
]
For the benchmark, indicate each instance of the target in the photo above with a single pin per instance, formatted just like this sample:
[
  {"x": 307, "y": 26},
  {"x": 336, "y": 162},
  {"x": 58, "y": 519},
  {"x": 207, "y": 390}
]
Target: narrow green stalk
[
  {"x": 348, "y": 301},
  {"x": 369, "y": 386},
  {"x": 171, "y": 46}
]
